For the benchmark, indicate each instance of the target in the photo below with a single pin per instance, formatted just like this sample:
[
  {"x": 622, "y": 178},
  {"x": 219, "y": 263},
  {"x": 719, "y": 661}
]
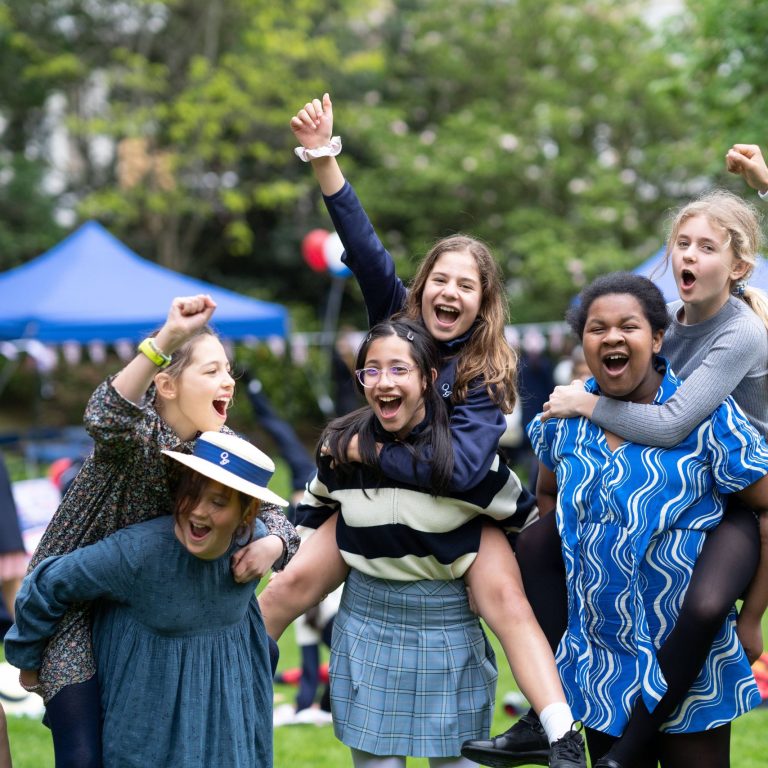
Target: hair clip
[
  {"x": 368, "y": 337},
  {"x": 410, "y": 336}
]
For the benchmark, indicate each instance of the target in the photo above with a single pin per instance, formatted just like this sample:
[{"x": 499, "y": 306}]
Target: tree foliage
[{"x": 559, "y": 132}]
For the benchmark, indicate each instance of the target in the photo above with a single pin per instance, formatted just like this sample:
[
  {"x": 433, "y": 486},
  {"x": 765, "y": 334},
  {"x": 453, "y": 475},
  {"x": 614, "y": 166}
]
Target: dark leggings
[
  {"x": 74, "y": 717},
  {"x": 705, "y": 749},
  {"x": 310, "y": 670},
  {"x": 722, "y": 573}
]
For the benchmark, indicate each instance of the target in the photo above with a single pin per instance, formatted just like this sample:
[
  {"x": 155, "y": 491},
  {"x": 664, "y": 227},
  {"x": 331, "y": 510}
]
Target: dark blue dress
[{"x": 181, "y": 658}]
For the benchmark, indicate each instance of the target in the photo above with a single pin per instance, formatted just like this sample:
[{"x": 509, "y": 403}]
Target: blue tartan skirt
[{"x": 412, "y": 672}]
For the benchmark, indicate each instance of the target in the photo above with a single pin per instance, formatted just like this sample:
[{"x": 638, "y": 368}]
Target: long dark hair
[{"x": 432, "y": 444}]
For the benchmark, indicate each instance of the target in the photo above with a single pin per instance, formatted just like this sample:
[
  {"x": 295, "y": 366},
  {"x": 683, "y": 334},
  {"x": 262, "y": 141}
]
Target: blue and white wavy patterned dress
[{"x": 632, "y": 523}]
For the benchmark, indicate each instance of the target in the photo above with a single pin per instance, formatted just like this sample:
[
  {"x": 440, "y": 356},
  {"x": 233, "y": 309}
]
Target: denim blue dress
[{"x": 180, "y": 648}]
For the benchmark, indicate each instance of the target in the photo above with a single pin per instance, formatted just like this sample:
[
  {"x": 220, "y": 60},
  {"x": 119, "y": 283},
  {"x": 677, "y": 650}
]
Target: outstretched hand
[
  {"x": 747, "y": 161},
  {"x": 313, "y": 124}
]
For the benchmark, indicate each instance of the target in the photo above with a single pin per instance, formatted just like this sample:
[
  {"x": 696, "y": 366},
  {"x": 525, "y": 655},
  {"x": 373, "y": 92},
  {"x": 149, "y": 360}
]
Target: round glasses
[{"x": 370, "y": 377}]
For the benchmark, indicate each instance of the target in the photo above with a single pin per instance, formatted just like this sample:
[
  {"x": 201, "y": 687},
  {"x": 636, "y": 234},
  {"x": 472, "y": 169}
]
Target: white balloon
[{"x": 333, "y": 251}]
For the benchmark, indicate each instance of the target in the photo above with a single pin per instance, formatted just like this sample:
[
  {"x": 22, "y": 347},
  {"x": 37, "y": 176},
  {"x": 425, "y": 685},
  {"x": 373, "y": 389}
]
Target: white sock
[
  {"x": 556, "y": 719},
  {"x": 362, "y": 759}
]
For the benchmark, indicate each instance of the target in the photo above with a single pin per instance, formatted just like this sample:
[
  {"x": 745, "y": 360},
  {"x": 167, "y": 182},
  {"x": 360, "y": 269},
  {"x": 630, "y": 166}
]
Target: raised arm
[
  {"x": 725, "y": 365},
  {"x": 370, "y": 262},
  {"x": 747, "y": 160},
  {"x": 186, "y": 316},
  {"x": 313, "y": 128}
]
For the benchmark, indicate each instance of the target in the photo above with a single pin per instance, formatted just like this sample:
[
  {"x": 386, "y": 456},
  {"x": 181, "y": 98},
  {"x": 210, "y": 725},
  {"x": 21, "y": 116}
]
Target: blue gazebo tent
[{"x": 92, "y": 287}]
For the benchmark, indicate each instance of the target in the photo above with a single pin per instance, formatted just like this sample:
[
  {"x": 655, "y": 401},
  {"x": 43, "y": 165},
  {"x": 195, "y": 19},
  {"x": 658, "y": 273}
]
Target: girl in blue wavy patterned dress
[
  {"x": 718, "y": 344},
  {"x": 633, "y": 520},
  {"x": 183, "y": 669}
]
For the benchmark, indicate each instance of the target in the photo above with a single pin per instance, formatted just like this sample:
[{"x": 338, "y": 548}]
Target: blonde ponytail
[{"x": 757, "y": 300}]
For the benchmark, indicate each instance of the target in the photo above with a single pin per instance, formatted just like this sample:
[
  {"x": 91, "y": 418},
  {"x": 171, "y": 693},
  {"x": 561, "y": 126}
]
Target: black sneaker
[
  {"x": 607, "y": 762},
  {"x": 568, "y": 752},
  {"x": 525, "y": 743}
]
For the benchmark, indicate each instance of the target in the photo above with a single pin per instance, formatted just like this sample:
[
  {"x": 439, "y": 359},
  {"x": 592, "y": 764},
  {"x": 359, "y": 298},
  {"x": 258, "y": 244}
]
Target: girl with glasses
[{"x": 411, "y": 672}]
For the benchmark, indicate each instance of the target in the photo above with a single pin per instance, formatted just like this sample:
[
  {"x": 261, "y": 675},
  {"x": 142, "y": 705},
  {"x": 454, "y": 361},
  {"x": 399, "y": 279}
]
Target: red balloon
[{"x": 312, "y": 249}]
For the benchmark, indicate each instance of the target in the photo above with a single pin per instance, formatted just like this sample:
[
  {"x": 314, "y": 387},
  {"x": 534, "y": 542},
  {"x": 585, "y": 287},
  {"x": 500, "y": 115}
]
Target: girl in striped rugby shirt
[{"x": 411, "y": 671}]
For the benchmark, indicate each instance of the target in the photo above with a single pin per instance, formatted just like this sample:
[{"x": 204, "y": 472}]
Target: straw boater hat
[{"x": 233, "y": 462}]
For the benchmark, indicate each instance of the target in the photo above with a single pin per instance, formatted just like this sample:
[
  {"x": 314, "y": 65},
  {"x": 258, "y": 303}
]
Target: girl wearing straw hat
[{"x": 183, "y": 670}]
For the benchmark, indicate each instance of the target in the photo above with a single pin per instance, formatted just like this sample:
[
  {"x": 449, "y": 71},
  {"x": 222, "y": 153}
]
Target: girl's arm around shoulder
[
  {"x": 738, "y": 349},
  {"x": 279, "y": 525},
  {"x": 569, "y": 400},
  {"x": 477, "y": 425}
]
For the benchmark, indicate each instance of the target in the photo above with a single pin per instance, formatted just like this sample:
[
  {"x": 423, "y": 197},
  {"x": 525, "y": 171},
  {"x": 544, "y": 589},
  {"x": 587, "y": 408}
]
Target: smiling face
[
  {"x": 198, "y": 399},
  {"x": 704, "y": 266},
  {"x": 452, "y": 295},
  {"x": 206, "y": 530},
  {"x": 398, "y": 402},
  {"x": 619, "y": 346}
]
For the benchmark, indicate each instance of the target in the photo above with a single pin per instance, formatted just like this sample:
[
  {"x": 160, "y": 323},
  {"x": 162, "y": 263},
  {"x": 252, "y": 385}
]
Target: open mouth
[
  {"x": 198, "y": 532},
  {"x": 446, "y": 315},
  {"x": 615, "y": 362},
  {"x": 389, "y": 405},
  {"x": 687, "y": 278},
  {"x": 221, "y": 406}
]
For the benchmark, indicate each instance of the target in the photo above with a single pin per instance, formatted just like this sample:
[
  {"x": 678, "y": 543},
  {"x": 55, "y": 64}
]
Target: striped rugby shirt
[{"x": 400, "y": 532}]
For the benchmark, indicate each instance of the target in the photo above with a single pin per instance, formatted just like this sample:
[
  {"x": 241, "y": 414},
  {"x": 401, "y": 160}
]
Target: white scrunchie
[{"x": 331, "y": 149}]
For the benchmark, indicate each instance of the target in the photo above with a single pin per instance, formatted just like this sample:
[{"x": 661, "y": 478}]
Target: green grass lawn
[{"x": 308, "y": 746}]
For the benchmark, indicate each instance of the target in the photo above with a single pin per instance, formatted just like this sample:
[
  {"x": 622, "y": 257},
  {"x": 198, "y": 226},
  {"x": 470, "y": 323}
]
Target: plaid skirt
[{"x": 412, "y": 672}]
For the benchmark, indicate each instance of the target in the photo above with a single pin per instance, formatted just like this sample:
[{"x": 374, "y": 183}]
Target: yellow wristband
[{"x": 149, "y": 349}]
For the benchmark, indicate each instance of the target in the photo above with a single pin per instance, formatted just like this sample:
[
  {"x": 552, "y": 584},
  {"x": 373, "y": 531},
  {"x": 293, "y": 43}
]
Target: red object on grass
[
  {"x": 293, "y": 675},
  {"x": 760, "y": 669}
]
